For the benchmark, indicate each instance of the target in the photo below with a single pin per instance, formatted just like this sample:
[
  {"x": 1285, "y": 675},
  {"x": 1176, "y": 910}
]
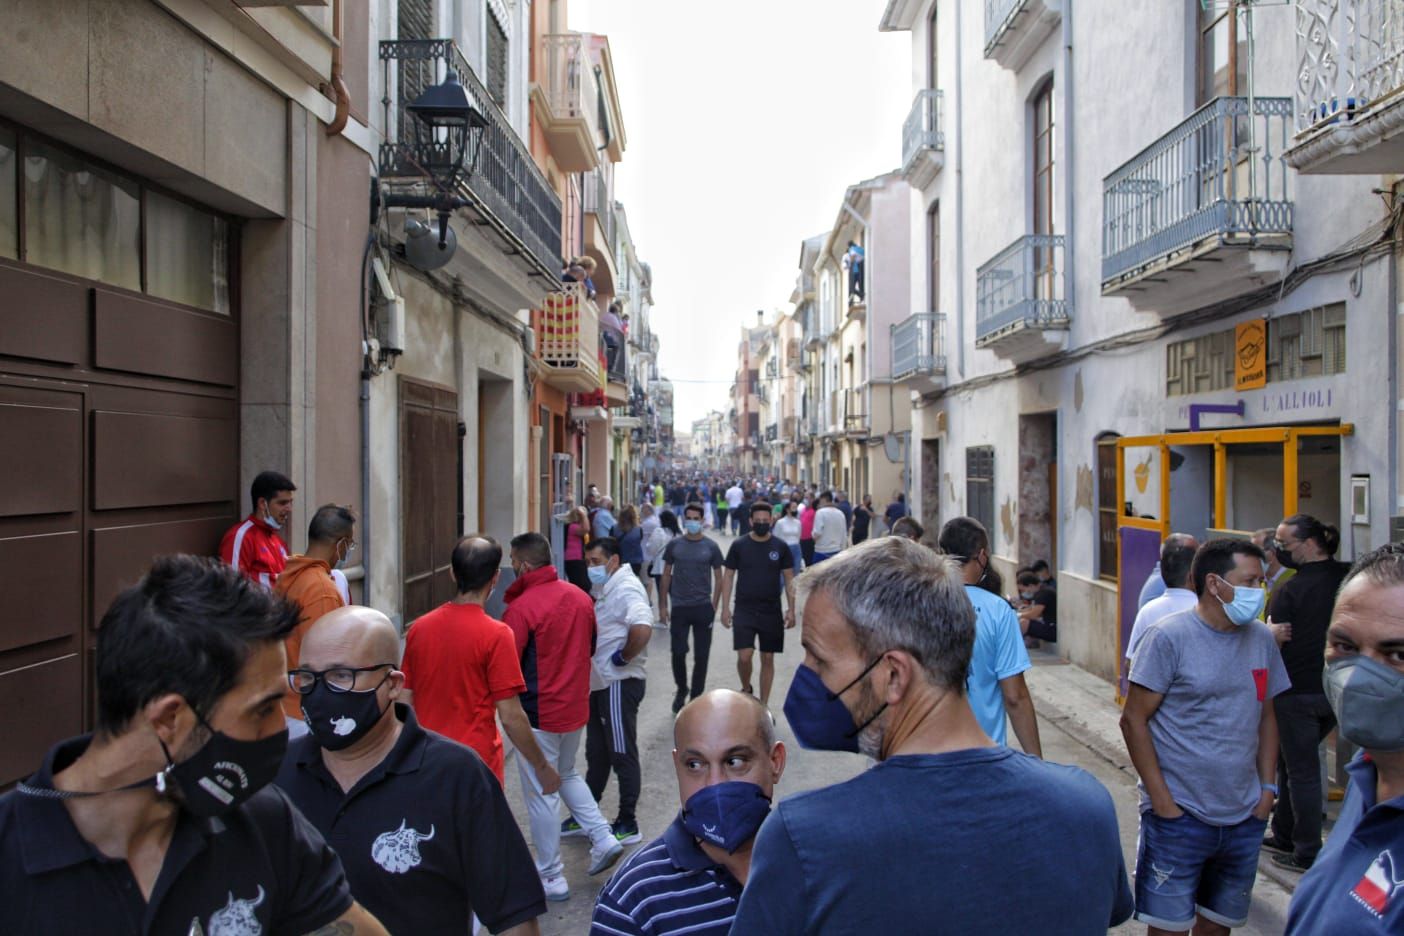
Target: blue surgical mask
[
  {"x": 727, "y": 815},
  {"x": 692, "y": 527},
  {"x": 818, "y": 717},
  {"x": 1246, "y": 605},
  {"x": 598, "y": 575}
]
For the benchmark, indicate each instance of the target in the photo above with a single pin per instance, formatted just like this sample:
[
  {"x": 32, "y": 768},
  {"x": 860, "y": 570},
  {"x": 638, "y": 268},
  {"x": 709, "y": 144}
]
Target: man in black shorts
[{"x": 756, "y": 564}]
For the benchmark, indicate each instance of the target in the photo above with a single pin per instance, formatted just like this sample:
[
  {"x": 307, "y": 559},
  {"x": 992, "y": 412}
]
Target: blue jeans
[
  {"x": 1184, "y": 866},
  {"x": 821, "y": 556}
]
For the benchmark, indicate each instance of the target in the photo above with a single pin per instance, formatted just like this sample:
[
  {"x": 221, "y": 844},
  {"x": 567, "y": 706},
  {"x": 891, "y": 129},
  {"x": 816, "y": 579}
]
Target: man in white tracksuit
[{"x": 624, "y": 623}]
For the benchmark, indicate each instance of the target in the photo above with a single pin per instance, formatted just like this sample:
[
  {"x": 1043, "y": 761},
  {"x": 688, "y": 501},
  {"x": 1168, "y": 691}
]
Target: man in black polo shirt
[
  {"x": 689, "y": 879},
  {"x": 757, "y": 564},
  {"x": 420, "y": 822},
  {"x": 164, "y": 821}
]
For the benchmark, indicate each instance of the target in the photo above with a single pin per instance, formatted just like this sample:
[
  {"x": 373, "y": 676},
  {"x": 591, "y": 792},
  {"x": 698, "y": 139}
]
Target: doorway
[
  {"x": 931, "y": 484},
  {"x": 1038, "y": 487}
]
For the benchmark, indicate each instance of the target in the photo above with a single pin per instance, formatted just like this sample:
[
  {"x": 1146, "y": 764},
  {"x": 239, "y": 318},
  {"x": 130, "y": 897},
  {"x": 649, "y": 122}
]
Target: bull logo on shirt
[
  {"x": 237, "y": 918},
  {"x": 398, "y": 851},
  {"x": 343, "y": 726}
]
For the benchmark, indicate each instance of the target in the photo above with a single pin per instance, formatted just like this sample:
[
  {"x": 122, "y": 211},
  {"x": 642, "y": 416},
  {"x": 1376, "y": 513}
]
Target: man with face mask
[
  {"x": 761, "y": 567},
  {"x": 1300, "y": 614},
  {"x": 996, "y": 685},
  {"x": 164, "y": 820},
  {"x": 689, "y": 879},
  {"x": 422, "y": 827},
  {"x": 888, "y": 634},
  {"x": 254, "y": 546},
  {"x": 306, "y": 582},
  {"x": 1356, "y": 884},
  {"x": 1201, "y": 730},
  {"x": 689, "y": 596}
]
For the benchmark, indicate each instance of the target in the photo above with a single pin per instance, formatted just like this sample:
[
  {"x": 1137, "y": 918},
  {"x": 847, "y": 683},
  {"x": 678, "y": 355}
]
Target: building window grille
[
  {"x": 1106, "y": 506},
  {"x": 979, "y": 486}
]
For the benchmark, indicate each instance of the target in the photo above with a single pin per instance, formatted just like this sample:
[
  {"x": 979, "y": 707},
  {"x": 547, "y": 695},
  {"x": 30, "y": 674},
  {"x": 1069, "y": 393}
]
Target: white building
[{"x": 1105, "y": 242}]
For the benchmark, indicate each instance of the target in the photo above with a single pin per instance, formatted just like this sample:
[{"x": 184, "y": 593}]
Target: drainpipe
[
  {"x": 960, "y": 200},
  {"x": 365, "y": 491},
  {"x": 1070, "y": 160},
  {"x": 338, "y": 83}
]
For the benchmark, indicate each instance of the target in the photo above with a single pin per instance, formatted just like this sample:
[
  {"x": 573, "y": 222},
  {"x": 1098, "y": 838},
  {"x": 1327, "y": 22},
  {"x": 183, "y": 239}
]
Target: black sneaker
[
  {"x": 626, "y": 833},
  {"x": 1291, "y": 862},
  {"x": 1274, "y": 844},
  {"x": 679, "y": 700}
]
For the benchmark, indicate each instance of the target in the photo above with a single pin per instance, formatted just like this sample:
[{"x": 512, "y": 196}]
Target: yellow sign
[{"x": 1250, "y": 355}]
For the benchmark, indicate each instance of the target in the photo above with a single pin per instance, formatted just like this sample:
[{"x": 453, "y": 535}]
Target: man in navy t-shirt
[
  {"x": 949, "y": 830},
  {"x": 1356, "y": 884}
]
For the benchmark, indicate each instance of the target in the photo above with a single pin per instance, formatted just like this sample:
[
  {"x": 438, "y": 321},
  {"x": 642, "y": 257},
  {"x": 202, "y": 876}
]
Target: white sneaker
[
  {"x": 556, "y": 888},
  {"x": 602, "y": 858}
]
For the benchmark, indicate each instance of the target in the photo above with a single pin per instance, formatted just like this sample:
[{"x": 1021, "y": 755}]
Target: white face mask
[{"x": 268, "y": 519}]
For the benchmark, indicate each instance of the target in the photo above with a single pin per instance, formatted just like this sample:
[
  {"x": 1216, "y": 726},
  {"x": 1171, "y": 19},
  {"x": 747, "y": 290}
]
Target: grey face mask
[{"x": 1368, "y": 699}]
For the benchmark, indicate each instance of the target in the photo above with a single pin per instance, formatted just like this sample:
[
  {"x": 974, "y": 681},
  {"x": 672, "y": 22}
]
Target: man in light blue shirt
[
  {"x": 604, "y": 518},
  {"x": 1155, "y": 585},
  {"x": 995, "y": 685}
]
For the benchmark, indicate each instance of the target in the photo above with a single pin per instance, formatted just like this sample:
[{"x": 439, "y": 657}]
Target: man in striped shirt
[{"x": 689, "y": 879}]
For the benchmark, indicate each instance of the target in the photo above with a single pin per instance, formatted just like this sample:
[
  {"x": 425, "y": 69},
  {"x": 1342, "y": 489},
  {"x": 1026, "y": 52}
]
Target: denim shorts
[{"x": 1184, "y": 866}]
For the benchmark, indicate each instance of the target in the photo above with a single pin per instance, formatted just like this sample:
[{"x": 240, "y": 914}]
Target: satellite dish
[
  {"x": 422, "y": 250},
  {"x": 892, "y": 447}
]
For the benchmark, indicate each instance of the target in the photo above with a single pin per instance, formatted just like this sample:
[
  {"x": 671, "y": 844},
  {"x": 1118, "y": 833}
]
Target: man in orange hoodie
[{"x": 307, "y": 581}]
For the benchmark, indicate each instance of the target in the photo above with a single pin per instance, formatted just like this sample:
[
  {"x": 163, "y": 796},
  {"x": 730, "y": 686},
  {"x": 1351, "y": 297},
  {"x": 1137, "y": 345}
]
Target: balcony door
[
  {"x": 933, "y": 259},
  {"x": 931, "y": 47},
  {"x": 1042, "y": 162}
]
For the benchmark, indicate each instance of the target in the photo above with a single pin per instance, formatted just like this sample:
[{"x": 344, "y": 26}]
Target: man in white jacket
[{"x": 623, "y": 624}]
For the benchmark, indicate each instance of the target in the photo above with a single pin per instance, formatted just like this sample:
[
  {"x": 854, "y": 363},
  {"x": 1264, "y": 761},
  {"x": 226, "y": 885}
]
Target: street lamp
[{"x": 448, "y": 132}]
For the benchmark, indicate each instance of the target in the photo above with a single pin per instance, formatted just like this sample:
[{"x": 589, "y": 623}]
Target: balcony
[
  {"x": 1349, "y": 105},
  {"x": 1020, "y": 312},
  {"x": 918, "y": 351},
  {"x": 1014, "y": 29},
  {"x": 1204, "y": 212},
  {"x": 567, "y": 328},
  {"x": 508, "y": 192},
  {"x": 567, "y": 101},
  {"x": 855, "y": 412},
  {"x": 772, "y": 433},
  {"x": 923, "y": 140}
]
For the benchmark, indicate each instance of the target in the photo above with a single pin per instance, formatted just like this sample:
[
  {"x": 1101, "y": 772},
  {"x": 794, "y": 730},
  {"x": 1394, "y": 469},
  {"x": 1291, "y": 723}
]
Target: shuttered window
[
  {"x": 979, "y": 486},
  {"x": 496, "y": 60}
]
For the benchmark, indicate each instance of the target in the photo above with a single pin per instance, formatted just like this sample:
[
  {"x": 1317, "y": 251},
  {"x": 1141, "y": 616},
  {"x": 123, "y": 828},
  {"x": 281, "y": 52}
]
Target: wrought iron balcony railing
[
  {"x": 567, "y": 328},
  {"x": 922, "y": 130},
  {"x": 1219, "y": 174},
  {"x": 505, "y": 185},
  {"x": 1021, "y": 286},
  {"x": 571, "y": 87},
  {"x": 1351, "y": 59},
  {"x": 597, "y": 202},
  {"x": 918, "y": 346}
]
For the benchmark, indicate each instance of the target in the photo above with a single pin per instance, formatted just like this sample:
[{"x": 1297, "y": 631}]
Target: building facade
[{"x": 1137, "y": 305}]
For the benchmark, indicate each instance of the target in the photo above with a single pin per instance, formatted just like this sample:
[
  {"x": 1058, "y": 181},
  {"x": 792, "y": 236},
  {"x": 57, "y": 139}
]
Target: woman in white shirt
[
  {"x": 787, "y": 530},
  {"x": 654, "y": 546}
]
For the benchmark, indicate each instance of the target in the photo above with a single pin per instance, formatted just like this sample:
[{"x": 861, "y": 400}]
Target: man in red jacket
[
  {"x": 554, "y": 625},
  {"x": 253, "y": 546}
]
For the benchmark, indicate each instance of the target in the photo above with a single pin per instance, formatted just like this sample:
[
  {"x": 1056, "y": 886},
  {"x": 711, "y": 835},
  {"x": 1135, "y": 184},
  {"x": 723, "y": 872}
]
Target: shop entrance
[{"x": 1214, "y": 483}]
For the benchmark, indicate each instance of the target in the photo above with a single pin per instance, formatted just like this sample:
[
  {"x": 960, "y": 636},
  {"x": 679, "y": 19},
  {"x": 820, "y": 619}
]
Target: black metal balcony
[{"x": 505, "y": 187}]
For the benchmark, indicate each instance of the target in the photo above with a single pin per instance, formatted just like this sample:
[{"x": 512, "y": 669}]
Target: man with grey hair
[
  {"x": 1155, "y": 584},
  {"x": 888, "y": 634}
]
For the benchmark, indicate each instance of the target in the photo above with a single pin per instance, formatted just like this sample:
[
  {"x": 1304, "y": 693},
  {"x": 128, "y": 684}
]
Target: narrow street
[{"x": 807, "y": 770}]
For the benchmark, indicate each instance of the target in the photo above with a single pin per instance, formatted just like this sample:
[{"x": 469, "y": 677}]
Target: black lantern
[{"x": 450, "y": 129}]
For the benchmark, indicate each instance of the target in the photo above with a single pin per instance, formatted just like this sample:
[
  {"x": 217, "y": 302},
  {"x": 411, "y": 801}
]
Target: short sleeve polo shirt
[
  {"x": 1357, "y": 883},
  {"x": 460, "y": 663},
  {"x": 427, "y": 837},
  {"x": 668, "y": 886},
  {"x": 261, "y": 869},
  {"x": 999, "y": 653}
]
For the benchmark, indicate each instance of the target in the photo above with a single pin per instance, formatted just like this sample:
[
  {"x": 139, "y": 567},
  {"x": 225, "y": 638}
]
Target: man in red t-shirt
[
  {"x": 461, "y": 667},
  {"x": 554, "y": 626}
]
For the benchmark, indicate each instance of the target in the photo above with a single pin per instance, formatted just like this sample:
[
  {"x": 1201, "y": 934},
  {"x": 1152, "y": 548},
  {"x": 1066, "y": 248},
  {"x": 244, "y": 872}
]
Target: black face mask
[
  {"x": 760, "y": 529},
  {"x": 223, "y": 774},
  {"x": 1284, "y": 559},
  {"x": 339, "y": 719}
]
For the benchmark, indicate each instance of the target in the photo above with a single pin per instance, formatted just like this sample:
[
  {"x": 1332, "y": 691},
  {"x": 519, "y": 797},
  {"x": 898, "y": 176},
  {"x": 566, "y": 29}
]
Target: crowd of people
[{"x": 270, "y": 758}]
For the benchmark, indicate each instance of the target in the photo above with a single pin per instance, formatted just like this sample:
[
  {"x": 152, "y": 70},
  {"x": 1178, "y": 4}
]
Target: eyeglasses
[
  {"x": 337, "y": 679},
  {"x": 351, "y": 548}
]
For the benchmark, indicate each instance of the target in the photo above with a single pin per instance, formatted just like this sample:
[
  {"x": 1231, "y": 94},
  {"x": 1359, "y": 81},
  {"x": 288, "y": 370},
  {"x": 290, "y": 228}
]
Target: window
[
  {"x": 1106, "y": 505},
  {"x": 1307, "y": 344},
  {"x": 416, "y": 19},
  {"x": 979, "y": 487},
  {"x": 9, "y": 205},
  {"x": 187, "y": 254},
  {"x": 1223, "y": 63},
  {"x": 497, "y": 60},
  {"x": 79, "y": 219},
  {"x": 933, "y": 258},
  {"x": 1200, "y": 365},
  {"x": 1042, "y": 162}
]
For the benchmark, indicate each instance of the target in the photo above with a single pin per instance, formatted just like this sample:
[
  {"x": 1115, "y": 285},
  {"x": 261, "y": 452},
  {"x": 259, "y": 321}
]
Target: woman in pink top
[
  {"x": 577, "y": 531},
  {"x": 807, "y": 532}
]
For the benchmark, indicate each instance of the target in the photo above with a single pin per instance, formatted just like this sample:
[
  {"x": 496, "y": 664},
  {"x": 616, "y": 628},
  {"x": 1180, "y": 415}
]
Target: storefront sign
[{"x": 1250, "y": 358}]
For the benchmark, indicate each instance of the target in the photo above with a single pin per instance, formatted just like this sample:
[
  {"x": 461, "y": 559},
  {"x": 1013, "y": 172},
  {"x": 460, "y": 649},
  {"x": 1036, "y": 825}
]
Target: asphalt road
[{"x": 805, "y": 770}]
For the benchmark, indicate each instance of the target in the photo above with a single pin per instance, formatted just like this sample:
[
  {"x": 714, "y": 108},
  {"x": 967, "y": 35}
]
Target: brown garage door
[
  {"x": 430, "y": 490},
  {"x": 120, "y": 419}
]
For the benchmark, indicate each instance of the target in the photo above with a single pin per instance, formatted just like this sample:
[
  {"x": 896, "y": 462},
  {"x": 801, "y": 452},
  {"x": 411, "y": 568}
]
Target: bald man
[
  {"x": 419, "y": 820},
  {"x": 689, "y": 879}
]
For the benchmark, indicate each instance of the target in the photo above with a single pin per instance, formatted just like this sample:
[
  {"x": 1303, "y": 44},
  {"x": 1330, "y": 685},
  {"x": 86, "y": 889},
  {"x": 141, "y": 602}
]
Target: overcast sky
[{"x": 745, "y": 120}]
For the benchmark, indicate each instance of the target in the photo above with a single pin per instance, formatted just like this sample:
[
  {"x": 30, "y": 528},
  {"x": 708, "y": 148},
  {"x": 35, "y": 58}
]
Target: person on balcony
[
  {"x": 853, "y": 263},
  {"x": 612, "y": 330}
]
